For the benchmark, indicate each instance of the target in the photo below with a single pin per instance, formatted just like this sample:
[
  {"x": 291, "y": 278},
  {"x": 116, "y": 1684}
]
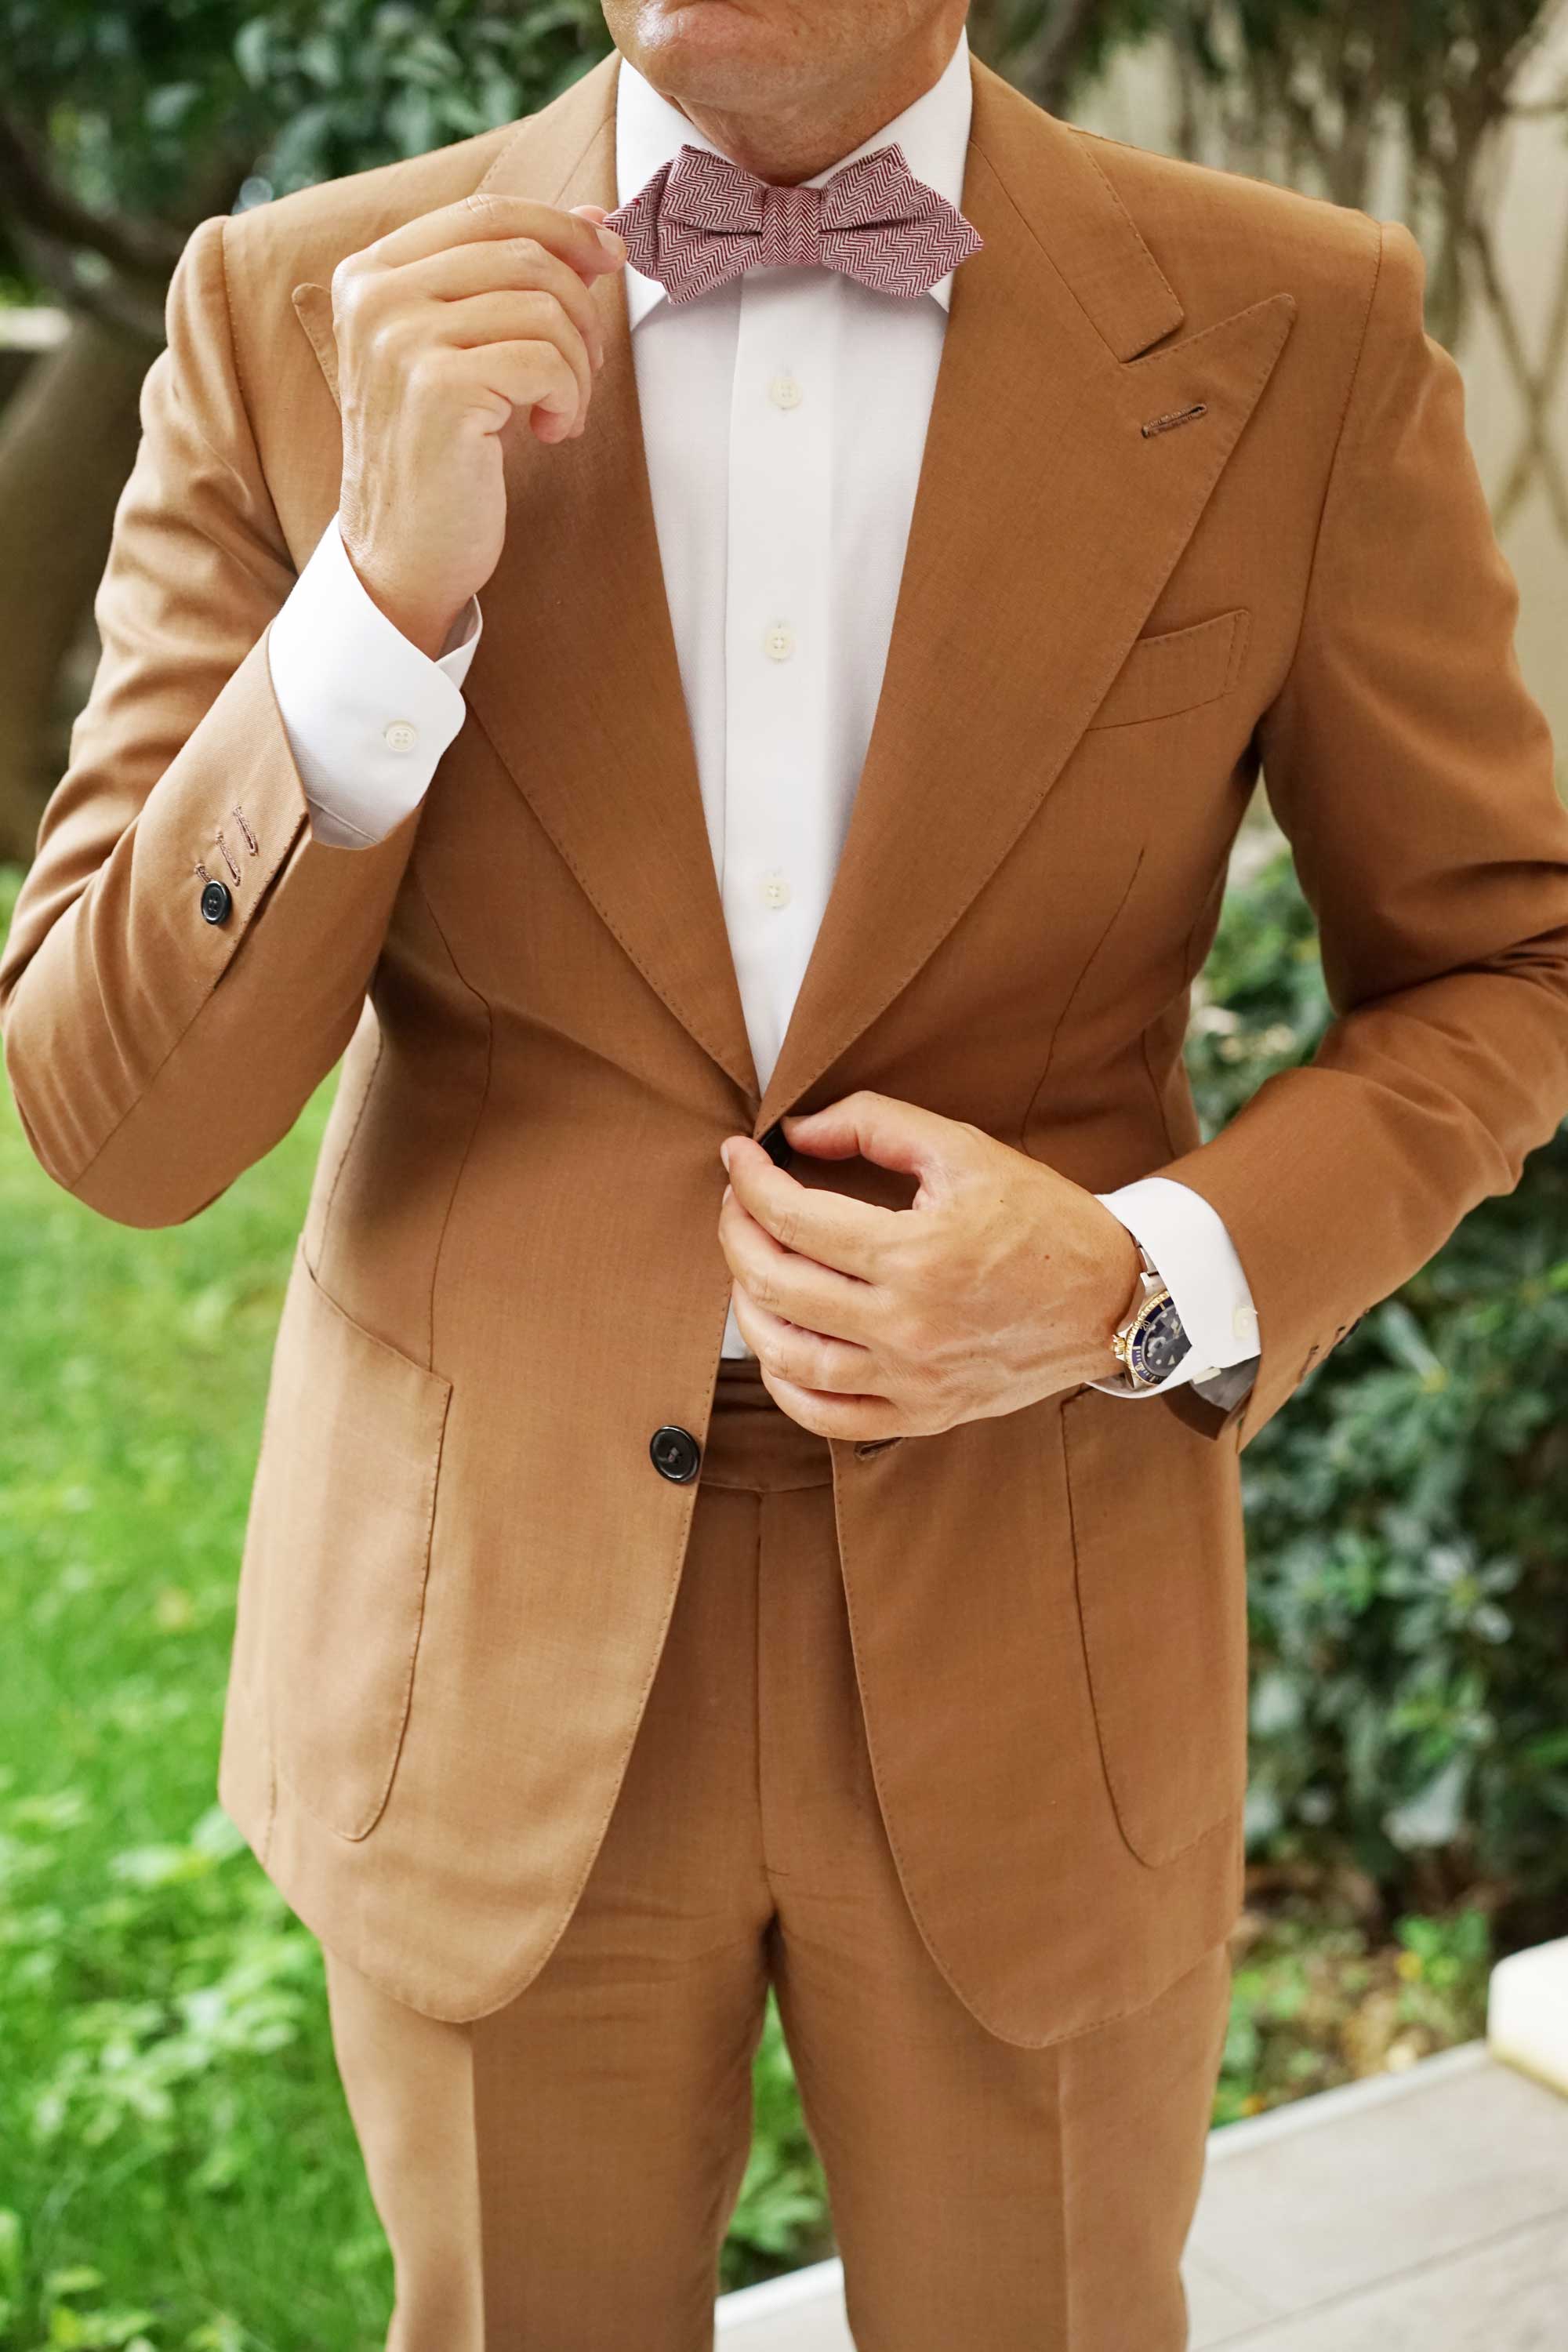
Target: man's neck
[{"x": 791, "y": 143}]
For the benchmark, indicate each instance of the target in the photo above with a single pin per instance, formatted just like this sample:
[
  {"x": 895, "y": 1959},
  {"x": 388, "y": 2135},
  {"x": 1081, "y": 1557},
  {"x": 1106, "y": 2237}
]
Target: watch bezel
[{"x": 1149, "y": 1311}]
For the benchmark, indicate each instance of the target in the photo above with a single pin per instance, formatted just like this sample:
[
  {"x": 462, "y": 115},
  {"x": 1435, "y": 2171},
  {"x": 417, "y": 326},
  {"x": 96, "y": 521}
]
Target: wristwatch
[{"x": 1151, "y": 1342}]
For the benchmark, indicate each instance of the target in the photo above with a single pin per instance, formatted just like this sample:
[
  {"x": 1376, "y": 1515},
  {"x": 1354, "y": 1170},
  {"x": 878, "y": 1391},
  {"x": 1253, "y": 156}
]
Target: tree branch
[
  {"x": 138, "y": 249},
  {"x": 1047, "y": 66},
  {"x": 1537, "y": 457},
  {"x": 133, "y": 311}
]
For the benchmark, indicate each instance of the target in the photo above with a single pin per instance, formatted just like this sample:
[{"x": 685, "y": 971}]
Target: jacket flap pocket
[
  {"x": 1176, "y": 670},
  {"x": 344, "y": 1506},
  {"x": 1162, "y": 1596}
]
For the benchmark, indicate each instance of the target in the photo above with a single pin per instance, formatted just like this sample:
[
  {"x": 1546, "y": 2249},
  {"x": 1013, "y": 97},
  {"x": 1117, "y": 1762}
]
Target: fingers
[
  {"x": 480, "y": 214},
  {"x": 529, "y": 376},
  {"x": 859, "y": 1419},
  {"x": 514, "y": 266},
  {"x": 809, "y": 1360},
  {"x": 525, "y": 318},
  {"x": 497, "y": 276},
  {"x": 838, "y": 1305},
  {"x": 849, "y": 1234},
  {"x": 879, "y": 1128}
]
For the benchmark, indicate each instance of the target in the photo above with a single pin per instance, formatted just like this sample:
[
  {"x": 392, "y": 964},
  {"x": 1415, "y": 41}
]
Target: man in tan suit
[{"x": 659, "y": 1585}]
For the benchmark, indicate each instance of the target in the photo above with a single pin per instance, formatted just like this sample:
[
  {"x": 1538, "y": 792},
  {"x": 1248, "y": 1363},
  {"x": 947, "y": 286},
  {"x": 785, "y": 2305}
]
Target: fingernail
[
  {"x": 612, "y": 243},
  {"x": 725, "y": 1156}
]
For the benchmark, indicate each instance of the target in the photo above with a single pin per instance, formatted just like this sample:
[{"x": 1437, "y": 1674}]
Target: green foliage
[
  {"x": 1317, "y": 2002},
  {"x": 127, "y": 96},
  {"x": 355, "y": 82},
  {"x": 135, "y": 101},
  {"x": 170, "y": 2115},
  {"x": 1407, "y": 1515},
  {"x": 781, "y": 2216}
]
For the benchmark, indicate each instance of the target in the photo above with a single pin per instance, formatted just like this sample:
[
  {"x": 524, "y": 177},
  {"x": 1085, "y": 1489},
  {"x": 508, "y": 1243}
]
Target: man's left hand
[{"x": 1001, "y": 1282}]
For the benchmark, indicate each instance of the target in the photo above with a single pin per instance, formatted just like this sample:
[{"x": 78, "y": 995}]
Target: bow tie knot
[
  {"x": 792, "y": 226},
  {"x": 702, "y": 220}
]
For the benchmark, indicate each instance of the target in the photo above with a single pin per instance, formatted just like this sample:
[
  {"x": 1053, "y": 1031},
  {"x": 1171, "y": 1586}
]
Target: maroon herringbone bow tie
[{"x": 702, "y": 220}]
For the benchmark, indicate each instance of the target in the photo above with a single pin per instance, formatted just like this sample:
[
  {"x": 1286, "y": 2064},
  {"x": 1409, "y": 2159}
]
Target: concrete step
[{"x": 1421, "y": 2211}]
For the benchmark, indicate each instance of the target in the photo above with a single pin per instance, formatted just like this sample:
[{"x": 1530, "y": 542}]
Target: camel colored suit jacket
[{"x": 460, "y": 1560}]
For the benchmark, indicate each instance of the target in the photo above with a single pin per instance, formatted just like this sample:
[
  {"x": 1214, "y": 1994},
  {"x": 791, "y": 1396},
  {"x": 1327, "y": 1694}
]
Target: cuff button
[
  {"x": 400, "y": 736},
  {"x": 215, "y": 902}
]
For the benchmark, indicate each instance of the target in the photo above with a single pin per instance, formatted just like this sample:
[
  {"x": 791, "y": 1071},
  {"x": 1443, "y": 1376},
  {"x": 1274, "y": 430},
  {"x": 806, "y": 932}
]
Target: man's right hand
[{"x": 445, "y": 327}]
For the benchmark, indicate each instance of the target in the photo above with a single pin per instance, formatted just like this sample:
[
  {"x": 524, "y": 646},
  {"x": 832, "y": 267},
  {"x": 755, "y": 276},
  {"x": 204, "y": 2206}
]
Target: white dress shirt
[{"x": 783, "y": 419}]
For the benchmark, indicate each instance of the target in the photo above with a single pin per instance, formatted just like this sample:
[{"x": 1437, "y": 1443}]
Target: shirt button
[
  {"x": 775, "y": 890},
  {"x": 1244, "y": 1322},
  {"x": 785, "y": 392},
  {"x": 779, "y": 642},
  {"x": 400, "y": 736}
]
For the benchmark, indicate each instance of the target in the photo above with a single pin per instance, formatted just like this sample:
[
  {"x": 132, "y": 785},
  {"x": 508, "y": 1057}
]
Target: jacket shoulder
[
  {"x": 306, "y": 234},
  {"x": 1225, "y": 239}
]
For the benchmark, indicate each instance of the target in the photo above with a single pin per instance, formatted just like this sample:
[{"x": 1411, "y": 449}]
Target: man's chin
[{"x": 719, "y": 53}]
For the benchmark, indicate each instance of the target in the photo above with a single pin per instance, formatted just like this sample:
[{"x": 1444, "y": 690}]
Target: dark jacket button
[
  {"x": 215, "y": 902},
  {"x": 675, "y": 1452},
  {"x": 774, "y": 1144}
]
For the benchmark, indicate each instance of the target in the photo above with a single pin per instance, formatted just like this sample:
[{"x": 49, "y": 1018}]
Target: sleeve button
[
  {"x": 215, "y": 902},
  {"x": 401, "y": 735}
]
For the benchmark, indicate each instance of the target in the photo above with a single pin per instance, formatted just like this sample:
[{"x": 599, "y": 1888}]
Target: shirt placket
[{"x": 778, "y": 642}]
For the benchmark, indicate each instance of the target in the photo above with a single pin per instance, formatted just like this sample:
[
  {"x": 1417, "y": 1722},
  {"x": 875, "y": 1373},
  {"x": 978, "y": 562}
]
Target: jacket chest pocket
[
  {"x": 345, "y": 1506},
  {"x": 1162, "y": 1596},
  {"x": 1176, "y": 670}
]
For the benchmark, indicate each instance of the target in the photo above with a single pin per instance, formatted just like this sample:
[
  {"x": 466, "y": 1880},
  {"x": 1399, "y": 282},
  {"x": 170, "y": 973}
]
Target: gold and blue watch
[{"x": 1151, "y": 1342}]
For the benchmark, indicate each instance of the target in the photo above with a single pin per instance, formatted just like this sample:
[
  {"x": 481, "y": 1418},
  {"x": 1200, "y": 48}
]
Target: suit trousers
[{"x": 558, "y": 2176}]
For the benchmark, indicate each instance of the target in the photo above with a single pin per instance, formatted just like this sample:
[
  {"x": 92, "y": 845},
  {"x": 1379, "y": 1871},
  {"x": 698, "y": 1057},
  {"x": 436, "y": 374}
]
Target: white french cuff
[
  {"x": 1187, "y": 1240},
  {"x": 367, "y": 715}
]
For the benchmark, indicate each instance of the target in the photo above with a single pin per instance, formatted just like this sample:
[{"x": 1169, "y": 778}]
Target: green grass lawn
[{"x": 177, "y": 2168}]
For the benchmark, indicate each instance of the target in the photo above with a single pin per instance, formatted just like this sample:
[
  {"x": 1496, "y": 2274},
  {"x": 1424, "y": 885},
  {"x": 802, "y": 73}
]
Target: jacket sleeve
[
  {"x": 153, "y": 1054},
  {"x": 1412, "y": 774}
]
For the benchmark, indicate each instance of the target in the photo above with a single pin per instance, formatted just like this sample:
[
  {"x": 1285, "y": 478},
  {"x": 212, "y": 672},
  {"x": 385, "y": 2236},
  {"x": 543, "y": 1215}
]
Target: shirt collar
[{"x": 933, "y": 133}]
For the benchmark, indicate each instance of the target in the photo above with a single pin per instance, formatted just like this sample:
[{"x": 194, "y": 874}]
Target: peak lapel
[
  {"x": 576, "y": 682},
  {"x": 1044, "y": 525}
]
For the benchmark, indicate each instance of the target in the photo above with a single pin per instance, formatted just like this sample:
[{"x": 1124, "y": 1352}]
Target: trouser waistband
[{"x": 752, "y": 1443}]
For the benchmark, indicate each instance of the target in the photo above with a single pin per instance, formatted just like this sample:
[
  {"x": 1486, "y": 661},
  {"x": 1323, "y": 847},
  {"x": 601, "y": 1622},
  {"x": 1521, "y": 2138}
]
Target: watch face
[{"x": 1158, "y": 1345}]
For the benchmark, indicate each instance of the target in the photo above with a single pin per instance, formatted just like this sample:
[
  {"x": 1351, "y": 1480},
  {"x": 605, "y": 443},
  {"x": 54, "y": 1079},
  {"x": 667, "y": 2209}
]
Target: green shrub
[{"x": 1408, "y": 1518}]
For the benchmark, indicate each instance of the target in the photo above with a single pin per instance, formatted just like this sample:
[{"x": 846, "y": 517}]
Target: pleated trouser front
[{"x": 558, "y": 2176}]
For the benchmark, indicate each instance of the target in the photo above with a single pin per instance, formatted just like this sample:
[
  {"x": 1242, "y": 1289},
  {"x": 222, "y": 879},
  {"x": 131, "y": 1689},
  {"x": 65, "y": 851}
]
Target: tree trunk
[{"x": 68, "y": 437}]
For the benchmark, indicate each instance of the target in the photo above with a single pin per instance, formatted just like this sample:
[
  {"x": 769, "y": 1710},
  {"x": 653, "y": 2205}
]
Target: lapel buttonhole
[{"x": 1173, "y": 417}]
